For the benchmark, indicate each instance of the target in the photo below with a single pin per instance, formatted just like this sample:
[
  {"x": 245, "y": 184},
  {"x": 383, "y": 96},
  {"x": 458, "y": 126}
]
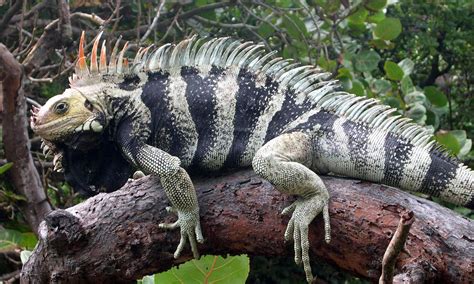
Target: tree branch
[
  {"x": 115, "y": 238},
  {"x": 395, "y": 247},
  {"x": 9, "y": 14},
  {"x": 23, "y": 174}
]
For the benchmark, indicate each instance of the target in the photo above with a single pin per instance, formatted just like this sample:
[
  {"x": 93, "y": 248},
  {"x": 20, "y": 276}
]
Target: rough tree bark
[
  {"x": 23, "y": 173},
  {"x": 114, "y": 238}
]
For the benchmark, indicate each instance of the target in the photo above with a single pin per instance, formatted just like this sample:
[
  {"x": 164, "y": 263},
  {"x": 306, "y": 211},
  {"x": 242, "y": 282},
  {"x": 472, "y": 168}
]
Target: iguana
[{"x": 210, "y": 105}]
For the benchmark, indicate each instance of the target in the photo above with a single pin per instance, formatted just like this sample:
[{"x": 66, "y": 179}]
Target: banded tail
[{"x": 358, "y": 150}]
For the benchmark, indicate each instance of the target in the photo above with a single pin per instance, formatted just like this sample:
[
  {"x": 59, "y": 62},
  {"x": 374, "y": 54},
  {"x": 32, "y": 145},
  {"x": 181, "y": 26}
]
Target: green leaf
[
  {"x": 392, "y": 101},
  {"x": 382, "y": 86},
  {"x": 295, "y": 26},
  {"x": 357, "y": 88},
  {"x": 376, "y": 5},
  {"x": 417, "y": 112},
  {"x": 414, "y": 97},
  {"x": 366, "y": 60},
  {"x": 376, "y": 17},
  {"x": 12, "y": 239},
  {"x": 435, "y": 96},
  {"x": 359, "y": 16},
  {"x": 466, "y": 148},
  {"x": 432, "y": 118},
  {"x": 388, "y": 28},
  {"x": 5, "y": 167},
  {"x": 393, "y": 71},
  {"x": 406, "y": 85},
  {"x": 25, "y": 255},
  {"x": 329, "y": 7},
  {"x": 449, "y": 141},
  {"x": 208, "y": 269},
  {"x": 327, "y": 65},
  {"x": 344, "y": 73},
  {"x": 381, "y": 44},
  {"x": 407, "y": 66},
  {"x": 265, "y": 30}
]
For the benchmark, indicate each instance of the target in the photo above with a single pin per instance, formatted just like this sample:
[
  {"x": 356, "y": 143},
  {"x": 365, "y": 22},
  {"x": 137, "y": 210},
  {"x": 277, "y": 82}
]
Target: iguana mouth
[{"x": 50, "y": 128}]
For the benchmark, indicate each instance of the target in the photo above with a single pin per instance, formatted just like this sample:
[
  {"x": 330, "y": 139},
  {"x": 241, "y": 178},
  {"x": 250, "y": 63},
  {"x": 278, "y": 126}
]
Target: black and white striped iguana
[{"x": 209, "y": 105}]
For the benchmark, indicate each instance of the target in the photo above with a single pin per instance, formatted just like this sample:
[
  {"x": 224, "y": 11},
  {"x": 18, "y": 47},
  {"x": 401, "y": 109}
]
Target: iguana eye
[
  {"x": 61, "y": 108},
  {"x": 88, "y": 105}
]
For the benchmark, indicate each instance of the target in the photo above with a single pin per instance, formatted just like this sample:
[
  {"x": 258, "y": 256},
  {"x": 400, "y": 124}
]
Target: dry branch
[
  {"x": 114, "y": 238},
  {"x": 23, "y": 174}
]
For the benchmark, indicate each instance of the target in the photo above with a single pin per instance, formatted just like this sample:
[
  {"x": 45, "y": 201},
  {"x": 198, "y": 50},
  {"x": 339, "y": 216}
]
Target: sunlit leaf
[
  {"x": 466, "y": 148},
  {"x": 407, "y": 66},
  {"x": 11, "y": 239},
  {"x": 357, "y": 88},
  {"x": 406, "y": 85},
  {"x": 359, "y": 16},
  {"x": 393, "y": 71},
  {"x": 449, "y": 141},
  {"x": 375, "y": 5},
  {"x": 376, "y": 17},
  {"x": 388, "y": 28},
  {"x": 208, "y": 269},
  {"x": 25, "y": 255},
  {"x": 5, "y": 167}
]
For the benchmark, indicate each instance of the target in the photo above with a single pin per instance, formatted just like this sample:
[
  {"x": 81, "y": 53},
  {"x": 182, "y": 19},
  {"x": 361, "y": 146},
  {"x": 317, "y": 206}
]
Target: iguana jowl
[{"x": 219, "y": 104}]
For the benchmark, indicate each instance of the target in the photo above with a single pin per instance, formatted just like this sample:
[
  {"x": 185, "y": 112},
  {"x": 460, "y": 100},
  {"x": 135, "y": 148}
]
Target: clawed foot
[
  {"x": 190, "y": 227},
  {"x": 304, "y": 211}
]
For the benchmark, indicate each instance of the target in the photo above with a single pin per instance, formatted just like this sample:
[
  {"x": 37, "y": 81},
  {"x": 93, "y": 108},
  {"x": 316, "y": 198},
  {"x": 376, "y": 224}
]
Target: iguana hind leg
[{"x": 285, "y": 161}]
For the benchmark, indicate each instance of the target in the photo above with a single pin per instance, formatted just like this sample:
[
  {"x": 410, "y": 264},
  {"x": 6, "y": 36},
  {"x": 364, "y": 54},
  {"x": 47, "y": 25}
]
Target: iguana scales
[{"x": 209, "y": 105}]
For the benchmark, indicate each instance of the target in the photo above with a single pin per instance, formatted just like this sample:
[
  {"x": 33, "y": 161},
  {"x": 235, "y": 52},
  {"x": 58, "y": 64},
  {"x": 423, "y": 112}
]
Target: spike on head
[
  {"x": 81, "y": 65},
  {"x": 113, "y": 60},
  {"x": 94, "y": 67},
  {"x": 120, "y": 60},
  {"x": 103, "y": 59}
]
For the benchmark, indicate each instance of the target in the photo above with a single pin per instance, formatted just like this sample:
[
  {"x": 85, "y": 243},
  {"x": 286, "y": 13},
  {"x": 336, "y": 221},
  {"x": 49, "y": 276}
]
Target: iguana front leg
[
  {"x": 285, "y": 162},
  {"x": 177, "y": 185}
]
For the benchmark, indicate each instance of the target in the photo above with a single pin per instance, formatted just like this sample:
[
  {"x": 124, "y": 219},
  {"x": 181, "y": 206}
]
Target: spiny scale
[{"x": 225, "y": 52}]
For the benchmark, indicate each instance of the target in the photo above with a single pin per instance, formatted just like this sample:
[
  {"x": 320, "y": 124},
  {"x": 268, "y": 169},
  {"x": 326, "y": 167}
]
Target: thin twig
[
  {"x": 224, "y": 25},
  {"x": 154, "y": 23},
  {"x": 395, "y": 246}
]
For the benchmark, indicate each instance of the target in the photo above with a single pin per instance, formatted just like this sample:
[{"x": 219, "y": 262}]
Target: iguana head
[
  {"x": 68, "y": 114},
  {"x": 79, "y": 113}
]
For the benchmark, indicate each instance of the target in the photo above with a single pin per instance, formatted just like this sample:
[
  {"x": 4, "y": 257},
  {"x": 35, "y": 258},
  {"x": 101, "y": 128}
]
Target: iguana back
[{"x": 215, "y": 105}]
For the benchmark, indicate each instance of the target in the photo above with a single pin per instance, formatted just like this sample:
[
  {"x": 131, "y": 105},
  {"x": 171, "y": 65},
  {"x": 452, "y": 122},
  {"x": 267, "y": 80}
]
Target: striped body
[{"x": 216, "y": 118}]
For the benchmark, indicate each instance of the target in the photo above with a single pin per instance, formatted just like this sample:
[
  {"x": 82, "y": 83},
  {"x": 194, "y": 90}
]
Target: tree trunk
[
  {"x": 23, "y": 173},
  {"x": 114, "y": 238}
]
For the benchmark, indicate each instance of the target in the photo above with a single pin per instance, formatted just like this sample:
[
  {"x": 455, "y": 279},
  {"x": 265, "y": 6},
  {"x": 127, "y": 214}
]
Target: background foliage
[{"x": 416, "y": 56}]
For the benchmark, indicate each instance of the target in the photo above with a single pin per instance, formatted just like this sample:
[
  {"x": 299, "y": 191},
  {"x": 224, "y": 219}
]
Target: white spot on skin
[
  {"x": 96, "y": 127},
  {"x": 225, "y": 101}
]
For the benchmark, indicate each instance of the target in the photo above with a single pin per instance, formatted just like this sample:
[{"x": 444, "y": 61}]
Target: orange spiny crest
[
  {"x": 81, "y": 65},
  {"x": 103, "y": 58},
  {"x": 94, "y": 67}
]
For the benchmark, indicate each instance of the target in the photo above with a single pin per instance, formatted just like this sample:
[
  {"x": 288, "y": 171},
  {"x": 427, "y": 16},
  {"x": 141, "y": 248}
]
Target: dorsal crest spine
[{"x": 309, "y": 82}]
